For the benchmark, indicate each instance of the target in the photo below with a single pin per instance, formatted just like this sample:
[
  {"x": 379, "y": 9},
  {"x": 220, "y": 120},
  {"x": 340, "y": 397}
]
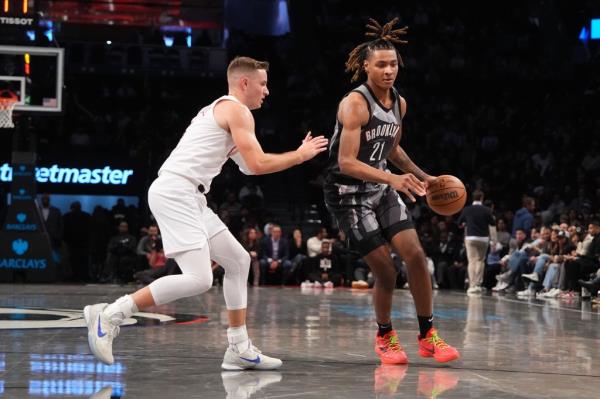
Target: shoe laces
[
  {"x": 114, "y": 330},
  {"x": 436, "y": 341},
  {"x": 114, "y": 324},
  {"x": 393, "y": 343}
]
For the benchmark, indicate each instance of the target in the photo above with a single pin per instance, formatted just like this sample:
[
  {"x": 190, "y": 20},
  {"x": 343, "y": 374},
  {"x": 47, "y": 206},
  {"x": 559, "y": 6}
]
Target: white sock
[
  {"x": 121, "y": 309},
  {"x": 238, "y": 337}
]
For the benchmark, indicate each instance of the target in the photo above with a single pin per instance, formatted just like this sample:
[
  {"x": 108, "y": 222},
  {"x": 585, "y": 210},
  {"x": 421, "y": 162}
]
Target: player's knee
[
  {"x": 388, "y": 283},
  {"x": 243, "y": 260},
  {"x": 238, "y": 263},
  {"x": 415, "y": 257},
  {"x": 385, "y": 273},
  {"x": 199, "y": 284}
]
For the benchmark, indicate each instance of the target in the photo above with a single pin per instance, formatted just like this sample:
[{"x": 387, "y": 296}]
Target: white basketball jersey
[{"x": 203, "y": 149}]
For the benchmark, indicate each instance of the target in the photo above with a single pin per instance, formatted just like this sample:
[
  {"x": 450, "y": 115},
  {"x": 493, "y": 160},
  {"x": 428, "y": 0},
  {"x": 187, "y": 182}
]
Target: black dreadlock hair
[{"x": 385, "y": 38}]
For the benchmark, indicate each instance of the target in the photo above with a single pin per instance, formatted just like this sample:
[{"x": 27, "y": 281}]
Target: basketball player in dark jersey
[{"x": 362, "y": 194}]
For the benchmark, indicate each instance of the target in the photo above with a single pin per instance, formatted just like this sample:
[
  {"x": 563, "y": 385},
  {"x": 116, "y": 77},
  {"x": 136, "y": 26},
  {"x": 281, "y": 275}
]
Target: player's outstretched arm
[
  {"x": 353, "y": 114},
  {"x": 241, "y": 125}
]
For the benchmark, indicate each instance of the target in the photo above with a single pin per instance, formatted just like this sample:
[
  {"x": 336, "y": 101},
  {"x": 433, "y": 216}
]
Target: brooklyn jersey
[
  {"x": 377, "y": 139},
  {"x": 203, "y": 149}
]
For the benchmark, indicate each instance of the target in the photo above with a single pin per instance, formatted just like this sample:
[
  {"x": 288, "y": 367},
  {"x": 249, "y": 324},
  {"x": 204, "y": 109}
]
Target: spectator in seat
[
  {"x": 503, "y": 236},
  {"x": 524, "y": 217},
  {"x": 326, "y": 268},
  {"x": 275, "y": 264},
  {"x": 147, "y": 242},
  {"x": 582, "y": 266},
  {"x": 159, "y": 264},
  {"x": 251, "y": 243},
  {"x": 121, "y": 260},
  {"x": 298, "y": 253},
  {"x": 313, "y": 244},
  {"x": 444, "y": 256}
]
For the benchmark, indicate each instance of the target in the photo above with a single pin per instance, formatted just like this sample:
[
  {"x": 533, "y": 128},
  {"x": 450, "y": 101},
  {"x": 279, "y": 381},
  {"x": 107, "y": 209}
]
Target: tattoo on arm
[{"x": 402, "y": 161}]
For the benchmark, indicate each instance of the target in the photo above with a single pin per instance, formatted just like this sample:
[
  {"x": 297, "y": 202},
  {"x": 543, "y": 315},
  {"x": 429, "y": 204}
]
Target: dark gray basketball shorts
[{"x": 369, "y": 218}]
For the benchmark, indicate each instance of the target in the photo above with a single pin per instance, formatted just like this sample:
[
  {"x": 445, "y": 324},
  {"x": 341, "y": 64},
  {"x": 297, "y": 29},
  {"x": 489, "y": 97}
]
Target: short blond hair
[{"x": 246, "y": 64}]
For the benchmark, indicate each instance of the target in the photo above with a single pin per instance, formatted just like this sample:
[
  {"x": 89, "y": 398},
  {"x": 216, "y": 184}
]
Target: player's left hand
[{"x": 312, "y": 146}]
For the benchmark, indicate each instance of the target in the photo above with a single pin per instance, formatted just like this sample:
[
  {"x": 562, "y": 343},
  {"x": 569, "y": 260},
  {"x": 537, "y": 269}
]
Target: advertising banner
[{"x": 24, "y": 244}]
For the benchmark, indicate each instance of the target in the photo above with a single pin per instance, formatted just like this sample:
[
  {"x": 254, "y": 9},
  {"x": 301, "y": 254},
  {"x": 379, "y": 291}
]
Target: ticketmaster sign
[{"x": 58, "y": 175}]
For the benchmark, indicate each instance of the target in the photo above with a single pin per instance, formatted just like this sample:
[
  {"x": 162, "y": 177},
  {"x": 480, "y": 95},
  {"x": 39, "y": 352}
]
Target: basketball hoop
[{"x": 8, "y": 100}]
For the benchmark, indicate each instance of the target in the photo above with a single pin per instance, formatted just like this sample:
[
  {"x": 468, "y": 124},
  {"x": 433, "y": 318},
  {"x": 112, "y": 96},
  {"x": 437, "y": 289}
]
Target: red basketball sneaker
[
  {"x": 389, "y": 350},
  {"x": 433, "y": 346}
]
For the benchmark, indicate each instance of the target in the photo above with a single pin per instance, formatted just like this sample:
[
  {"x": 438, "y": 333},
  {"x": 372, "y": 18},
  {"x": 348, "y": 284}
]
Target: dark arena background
[{"x": 503, "y": 95}]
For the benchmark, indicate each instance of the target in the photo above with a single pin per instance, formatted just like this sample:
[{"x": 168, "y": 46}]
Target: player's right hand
[
  {"x": 312, "y": 146},
  {"x": 408, "y": 184}
]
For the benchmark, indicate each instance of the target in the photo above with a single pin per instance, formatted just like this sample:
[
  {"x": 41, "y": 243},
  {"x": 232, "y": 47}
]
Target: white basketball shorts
[{"x": 184, "y": 220}]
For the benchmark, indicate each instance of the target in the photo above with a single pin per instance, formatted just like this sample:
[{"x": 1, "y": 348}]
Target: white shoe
[
  {"x": 104, "y": 393},
  {"x": 318, "y": 285},
  {"x": 251, "y": 358},
  {"x": 547, "y": 294},
  {"x": 474, "y": 290},
  {"x": 101, "y": 332},
  {"x": 532, "y": 277},
  {"x": 502, "y": 285},
  {"x": 307, "y": 284},
  {"x": 553, "y": 293},
  {"x": 526, "y": 293},
  {"x": 328, "y": 284},
  {"x": 244, "y": 384}
]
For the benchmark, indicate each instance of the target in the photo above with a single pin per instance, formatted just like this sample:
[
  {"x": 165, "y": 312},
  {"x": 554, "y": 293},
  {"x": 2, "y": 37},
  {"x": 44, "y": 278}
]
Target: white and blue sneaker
[
  {"x": 251, "y": 358},
  {"x": 101, "y": 332}
]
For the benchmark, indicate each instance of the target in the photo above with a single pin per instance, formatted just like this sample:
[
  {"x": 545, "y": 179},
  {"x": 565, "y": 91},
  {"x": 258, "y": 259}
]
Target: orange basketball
[{"x": 446, "y": 195}]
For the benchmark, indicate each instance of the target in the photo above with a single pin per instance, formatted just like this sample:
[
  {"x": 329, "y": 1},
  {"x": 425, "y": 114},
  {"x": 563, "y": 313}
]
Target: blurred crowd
[{"x": 548, "y": 253}]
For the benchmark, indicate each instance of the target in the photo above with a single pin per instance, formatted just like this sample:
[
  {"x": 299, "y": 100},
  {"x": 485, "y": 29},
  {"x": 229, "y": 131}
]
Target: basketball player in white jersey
[{"x": 191, "y": 232}]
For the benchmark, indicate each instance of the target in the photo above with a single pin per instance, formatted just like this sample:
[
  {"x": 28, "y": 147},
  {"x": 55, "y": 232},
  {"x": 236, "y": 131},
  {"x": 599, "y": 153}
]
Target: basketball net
[{"x": 8, "y": 100}]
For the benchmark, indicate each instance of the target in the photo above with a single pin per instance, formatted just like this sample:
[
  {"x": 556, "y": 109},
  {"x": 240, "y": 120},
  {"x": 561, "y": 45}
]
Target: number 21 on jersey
[{"x": 377, "y": 151}]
